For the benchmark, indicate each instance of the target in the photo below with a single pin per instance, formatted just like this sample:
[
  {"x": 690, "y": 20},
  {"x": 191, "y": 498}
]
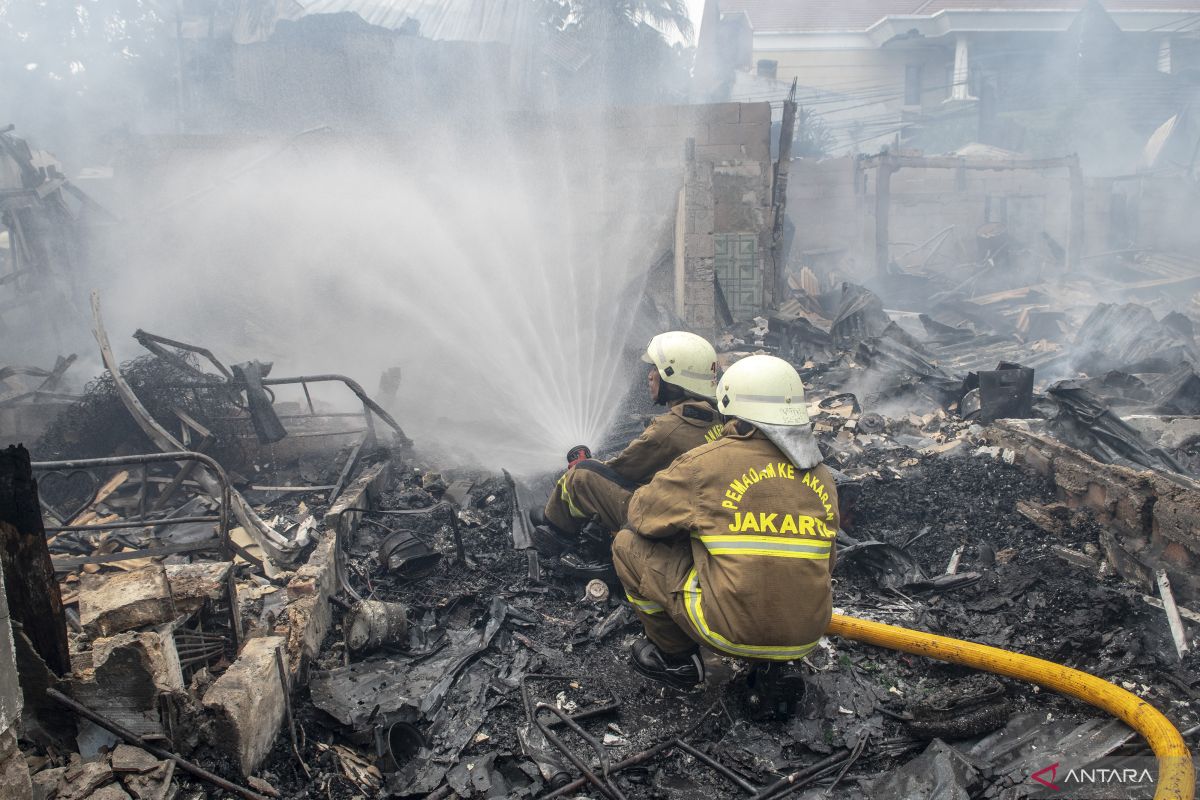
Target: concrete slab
[
  {"x": 246, "y": 704},
  {"x": 193, "y": 584},
  {"x": 111, "y": 603}
]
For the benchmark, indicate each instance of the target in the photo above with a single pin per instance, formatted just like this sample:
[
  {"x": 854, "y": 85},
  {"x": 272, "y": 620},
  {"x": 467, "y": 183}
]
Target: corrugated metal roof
[
  {"x": 454, "y": 20},
  {"x": 802, "y": 16}
]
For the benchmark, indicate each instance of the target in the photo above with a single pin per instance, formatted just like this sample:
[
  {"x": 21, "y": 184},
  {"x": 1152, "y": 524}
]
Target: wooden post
[
  {"x": 33, "y": 596},
  {"x": 883, "y": 205},
  {"x": 774, "y": 284},
  {"x": 1075, "y": 236}
]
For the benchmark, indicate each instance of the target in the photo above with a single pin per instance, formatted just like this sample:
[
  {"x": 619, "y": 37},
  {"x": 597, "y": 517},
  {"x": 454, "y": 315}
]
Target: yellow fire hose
[{"x": 1176, "y": 777}]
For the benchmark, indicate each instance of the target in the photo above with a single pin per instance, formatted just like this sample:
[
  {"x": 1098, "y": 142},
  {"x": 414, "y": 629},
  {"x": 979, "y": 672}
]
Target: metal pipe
[
  {"x": 158, "y": 752},
  {"x": 705, "y": 758},
  {"x": 142, "y": 523},
  {"x": 218, "y": 472},
  {"x": 800, "y": 777},
  {"x": 605, "y": 786},
  {"x": 632, "y": 761}
]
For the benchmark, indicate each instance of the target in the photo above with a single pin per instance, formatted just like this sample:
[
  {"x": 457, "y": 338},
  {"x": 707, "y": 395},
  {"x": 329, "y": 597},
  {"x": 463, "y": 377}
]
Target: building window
[{"x": 912, "y": 85}]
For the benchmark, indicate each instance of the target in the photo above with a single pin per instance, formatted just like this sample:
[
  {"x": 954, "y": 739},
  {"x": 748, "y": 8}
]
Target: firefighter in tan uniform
[
  {"x": 683, "y": 377},
  {"x": 731, "y": 547}
]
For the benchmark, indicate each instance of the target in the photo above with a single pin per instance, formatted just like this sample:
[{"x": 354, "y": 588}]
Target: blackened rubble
[
  {"x": 1026, "y": 599},
  {"x": 418, "y": 648}
]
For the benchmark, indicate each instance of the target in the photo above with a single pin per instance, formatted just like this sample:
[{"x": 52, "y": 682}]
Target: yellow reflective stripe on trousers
[
  {"x": 645, "y": 606},
  {"x": 779, "y": 546},
  {"x": 695, "y": 612},
  {"x": 566, "y": 498}
]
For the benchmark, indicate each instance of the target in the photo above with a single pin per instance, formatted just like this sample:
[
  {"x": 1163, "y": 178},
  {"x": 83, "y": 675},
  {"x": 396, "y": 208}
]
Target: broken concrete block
[
  {"x": 14, "y": 772},
  {"x": 130, "y": 671},
  {"x": 153, "y": 785},
  {"x": 359, "y": 494},
  {"x": 262, "y": 787},
  {"x": 111, "y": 792},
  {"x": 159, "y": 647},
  {"x": 194, "y": 584},
  {"x": 318, "y": 574},
  {"x": 127, "y": 758},
  {"x": 82, "y": 780},
  {"x": 247, "y": 704},
  {"x": 309, "y": 620},
  {"x": 116, "y": 602},
  {"x": 45, "y": 783}
]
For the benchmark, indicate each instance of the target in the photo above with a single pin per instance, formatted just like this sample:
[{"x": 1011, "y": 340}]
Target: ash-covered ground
[{"x": 1026, "y": 599}]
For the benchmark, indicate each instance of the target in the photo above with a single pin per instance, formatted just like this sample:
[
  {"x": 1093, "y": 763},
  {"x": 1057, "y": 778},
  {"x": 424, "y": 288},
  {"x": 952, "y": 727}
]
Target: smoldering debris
[
  {"x": 484, "y": 679},
  {"x": 970, "y": 359}
]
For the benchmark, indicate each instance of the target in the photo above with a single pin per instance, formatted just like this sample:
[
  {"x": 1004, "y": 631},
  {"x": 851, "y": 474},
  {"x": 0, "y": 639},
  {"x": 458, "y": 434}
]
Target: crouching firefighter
[
  {"x": 731, "y": 547},
  {"x": 684, "y": 378}
]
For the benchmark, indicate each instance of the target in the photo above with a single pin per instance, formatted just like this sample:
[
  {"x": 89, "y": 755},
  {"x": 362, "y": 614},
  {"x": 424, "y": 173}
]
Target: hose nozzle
[{"x": 578, "y": 453}]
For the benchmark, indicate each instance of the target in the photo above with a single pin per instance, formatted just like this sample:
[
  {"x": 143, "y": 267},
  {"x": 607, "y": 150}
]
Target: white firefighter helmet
[
  {"x": 763, "y": 389},
  {"x": 685, "y": 360}
]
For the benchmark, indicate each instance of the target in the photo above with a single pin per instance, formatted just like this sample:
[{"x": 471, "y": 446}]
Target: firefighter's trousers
[
  {"x": 653, "y": 572},
  {"x": 589, "y": 489}
]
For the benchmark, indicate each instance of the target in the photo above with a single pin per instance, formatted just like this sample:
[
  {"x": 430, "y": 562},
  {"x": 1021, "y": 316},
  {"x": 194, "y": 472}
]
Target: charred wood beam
[
  {"x": 33, "y": 595},
  {"x": 787, "y": 131},
  {"x": 56, "y": 374}
]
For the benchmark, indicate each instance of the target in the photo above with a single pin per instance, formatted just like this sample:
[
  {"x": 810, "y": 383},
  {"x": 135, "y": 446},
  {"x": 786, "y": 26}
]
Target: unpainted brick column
[{"x": 695, "y": 295}]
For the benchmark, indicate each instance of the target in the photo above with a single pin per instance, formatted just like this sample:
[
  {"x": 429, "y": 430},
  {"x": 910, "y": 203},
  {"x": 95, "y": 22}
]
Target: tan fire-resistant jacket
[
  {"x": 762, "y": 535},
  {"x": 688, "y": 424}
]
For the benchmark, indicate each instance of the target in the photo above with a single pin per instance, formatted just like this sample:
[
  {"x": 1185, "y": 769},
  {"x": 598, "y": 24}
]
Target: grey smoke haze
[
  {"x": 440, "y": 219},
  {"x": 496, "y": 278}
]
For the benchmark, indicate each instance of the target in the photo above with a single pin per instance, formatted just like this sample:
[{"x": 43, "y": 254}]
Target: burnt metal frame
[
  {"x": 223, "y": 543},
  {"x": 370, "y": 407}
]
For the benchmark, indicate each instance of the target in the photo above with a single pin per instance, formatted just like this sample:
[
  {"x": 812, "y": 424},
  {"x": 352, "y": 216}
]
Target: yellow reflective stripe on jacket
[
  {"x": 566, "y": 498},
  {"x": 779, "y": 546},
  {"x": 695, "y": 612},
  {"x": 645, "y": 606}
]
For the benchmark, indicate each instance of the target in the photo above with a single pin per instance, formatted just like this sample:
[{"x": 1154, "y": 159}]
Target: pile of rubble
[{"x": 358, "y": 621}]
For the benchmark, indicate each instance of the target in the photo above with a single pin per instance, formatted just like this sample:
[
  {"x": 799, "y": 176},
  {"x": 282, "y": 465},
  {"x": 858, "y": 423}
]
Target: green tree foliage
[
  {"x": 68, "y": 61},
  {"x": 812, "y": 139},
  {"x": 639, "y": 49}
]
